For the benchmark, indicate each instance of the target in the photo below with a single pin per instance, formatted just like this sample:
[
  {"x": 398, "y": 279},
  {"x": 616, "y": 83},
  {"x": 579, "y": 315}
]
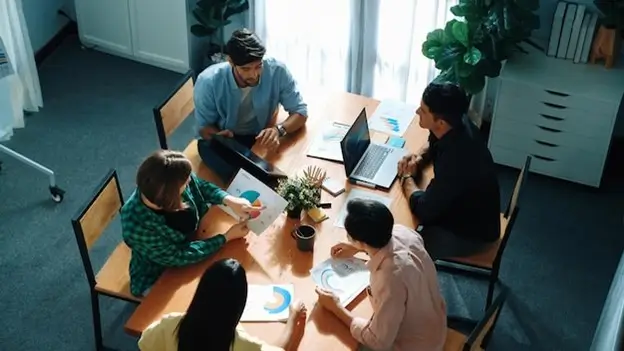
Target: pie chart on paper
[
  {"x": 254, "y": 198},
  {"x": 280, "y": 302}
]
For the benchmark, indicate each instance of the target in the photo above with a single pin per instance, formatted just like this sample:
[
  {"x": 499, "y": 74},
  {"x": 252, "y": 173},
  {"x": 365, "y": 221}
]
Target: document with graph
[
  {"x": 346, "y": 278},
  {"x": 326, "y": 144},
  {"x": 268, "y": 303},
  {"x": 247, "y": 186},
  {"x": 392, "y": 117}
]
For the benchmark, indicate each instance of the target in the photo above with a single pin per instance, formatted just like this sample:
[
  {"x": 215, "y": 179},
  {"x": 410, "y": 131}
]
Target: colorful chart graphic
[
  {"x": 330, "y": 281},
  {"x": 391, "y": 123},
  {"x": 253, "y": 197},
  {"x": 280, "y": 302}
]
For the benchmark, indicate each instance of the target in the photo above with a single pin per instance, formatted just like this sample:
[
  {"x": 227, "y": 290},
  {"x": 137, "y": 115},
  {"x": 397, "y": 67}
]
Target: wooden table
[{"x": 272, "y": 257}]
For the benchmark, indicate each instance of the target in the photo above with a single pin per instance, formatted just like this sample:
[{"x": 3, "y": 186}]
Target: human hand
[
  {"x": 237, "y": 231},
  {"x": 241, "y": 206},
  {"x": 269, "y": 138},
  {"x": 298, "y": 312},
  {"x": 343, "y": 250},
  {"x": 408, "y": 165},
  {"x": 327, "y": 299},
  {"x": 226, "y": 133}
]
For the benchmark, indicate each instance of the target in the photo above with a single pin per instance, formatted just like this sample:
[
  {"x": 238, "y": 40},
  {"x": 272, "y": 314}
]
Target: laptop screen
[{"x": 355, "y": 142}]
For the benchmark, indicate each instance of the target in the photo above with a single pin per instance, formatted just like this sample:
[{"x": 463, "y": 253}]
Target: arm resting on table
[{"x": 157, "y": 246}]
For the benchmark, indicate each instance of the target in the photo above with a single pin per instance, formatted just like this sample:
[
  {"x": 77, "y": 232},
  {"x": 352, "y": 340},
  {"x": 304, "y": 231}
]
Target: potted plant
[
  {"x": 473, "y": 47},
  {"x": 212, "y": 17},
  {"x": 301, "y": 195}
]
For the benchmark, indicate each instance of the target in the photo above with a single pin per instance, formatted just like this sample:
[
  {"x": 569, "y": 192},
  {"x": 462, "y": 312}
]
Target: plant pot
[{"x": 294, "y": 213}]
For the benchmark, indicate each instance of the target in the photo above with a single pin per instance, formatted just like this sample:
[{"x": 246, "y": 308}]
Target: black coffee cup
[{"x": 304, "y": 234}]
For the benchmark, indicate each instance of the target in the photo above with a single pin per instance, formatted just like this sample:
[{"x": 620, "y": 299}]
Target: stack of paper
[
  {"x": 267, "y": 303},
  {"x": 392, "y": 117},
  {"x": 346, "y": 278},
  {"x": 326, "y": 144}
]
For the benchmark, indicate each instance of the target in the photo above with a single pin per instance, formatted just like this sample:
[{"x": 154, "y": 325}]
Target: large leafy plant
[
  {"x": 485, "y": 33},
  {"x": 212, "y": 17}
]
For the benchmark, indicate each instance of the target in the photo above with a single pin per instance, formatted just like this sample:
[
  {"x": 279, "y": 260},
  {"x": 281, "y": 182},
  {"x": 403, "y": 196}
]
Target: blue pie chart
[
  {"x": 281, "y": 301},
  {"x": 250, "y": 195}
]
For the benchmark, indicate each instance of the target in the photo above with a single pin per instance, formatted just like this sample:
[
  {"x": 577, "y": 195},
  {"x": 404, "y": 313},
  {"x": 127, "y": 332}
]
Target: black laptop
[{"x": 241, "y": 156}]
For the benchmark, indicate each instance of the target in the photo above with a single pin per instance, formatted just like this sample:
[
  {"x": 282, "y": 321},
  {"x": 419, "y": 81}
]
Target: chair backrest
[
  {"x": 509, "y": 218},
  {"x": 95, "y": 216},
  {"x": 170, "y": 113},
  {"x": 515, "y": 195},
  {"x": 481, "y": 334}
]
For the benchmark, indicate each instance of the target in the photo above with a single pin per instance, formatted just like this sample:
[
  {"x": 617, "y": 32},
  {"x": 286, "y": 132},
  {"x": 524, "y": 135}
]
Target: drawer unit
[{"x": 566, "y": 128}]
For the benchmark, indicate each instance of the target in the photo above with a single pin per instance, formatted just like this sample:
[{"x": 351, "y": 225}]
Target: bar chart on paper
[{"x": 392, "y": 117}]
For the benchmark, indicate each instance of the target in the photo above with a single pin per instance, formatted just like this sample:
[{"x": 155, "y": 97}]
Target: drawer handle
[
  {"x": 554, "y": 118},
  {"x": 549, "y": 104},
  {"x": 545, "y": 143},
  {"x": 549, "y": 129},
  {"x": 548, "y": 159},
  {"x": 557, "y": 93}
]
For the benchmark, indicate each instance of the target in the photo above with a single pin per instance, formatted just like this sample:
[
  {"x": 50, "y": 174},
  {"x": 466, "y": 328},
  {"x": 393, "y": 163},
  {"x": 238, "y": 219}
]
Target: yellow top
[{"x": 161, "y": 336}]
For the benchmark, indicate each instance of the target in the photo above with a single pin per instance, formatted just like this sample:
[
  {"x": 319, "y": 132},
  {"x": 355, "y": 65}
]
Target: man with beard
[{"x": 239, "y": 98}]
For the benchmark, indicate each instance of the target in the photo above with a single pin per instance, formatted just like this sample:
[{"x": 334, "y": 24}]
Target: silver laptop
[{"x": 366, "y": 163}]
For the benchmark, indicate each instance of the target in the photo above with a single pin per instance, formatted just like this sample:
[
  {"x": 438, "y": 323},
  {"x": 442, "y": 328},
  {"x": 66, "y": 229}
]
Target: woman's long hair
[{"x": 211, "y": 319}]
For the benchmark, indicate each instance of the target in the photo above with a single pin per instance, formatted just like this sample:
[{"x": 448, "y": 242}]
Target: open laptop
[
  {"x": 368, "y": 164},
  {"x": 242, "y": 157}
]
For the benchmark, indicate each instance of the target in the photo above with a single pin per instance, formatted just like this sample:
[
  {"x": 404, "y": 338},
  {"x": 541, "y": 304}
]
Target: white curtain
[
  {"x": 370, "y": 47},
  {"x": 310, "y": 37},
  {"x": 23, "y": 87}
]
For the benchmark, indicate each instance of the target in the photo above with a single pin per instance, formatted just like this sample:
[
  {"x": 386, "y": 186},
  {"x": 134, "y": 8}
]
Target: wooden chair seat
[
  {"x": 486, "y": 258},
  {"x": 455, "y": 340},
  {"x": 114, "y": 279}
]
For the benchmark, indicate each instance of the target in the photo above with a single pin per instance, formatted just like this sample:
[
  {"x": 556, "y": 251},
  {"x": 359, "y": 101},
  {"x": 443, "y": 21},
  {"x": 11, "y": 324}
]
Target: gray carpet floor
[{"x": 97, "y": 115}]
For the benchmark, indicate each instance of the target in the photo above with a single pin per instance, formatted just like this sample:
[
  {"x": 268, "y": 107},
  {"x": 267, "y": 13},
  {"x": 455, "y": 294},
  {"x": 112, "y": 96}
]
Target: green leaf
[
  {"x": 460, "y": 33},
  {"x": 432, "y": 47},
  {"x": 464, "y": 70},
  {"x": 446, "y": 76},
  {"x": 205, "y": 4},
  {"x": 472, "y": 56},
  {"x": 465, "y": 10},
  {"x": 449, "y": 55},
  {"x": 449, "y": 36},
  {"x": 200, "y": 31},
  {"x": 473, "y": 84}
]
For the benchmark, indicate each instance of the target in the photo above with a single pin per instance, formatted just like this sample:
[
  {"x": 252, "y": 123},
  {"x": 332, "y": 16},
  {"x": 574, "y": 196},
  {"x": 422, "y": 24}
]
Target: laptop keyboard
[{"x": 372, "y": 161}]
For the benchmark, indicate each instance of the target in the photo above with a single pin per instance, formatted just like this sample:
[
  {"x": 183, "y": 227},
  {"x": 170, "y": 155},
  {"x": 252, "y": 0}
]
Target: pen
[{"x": 325, "y": 205}]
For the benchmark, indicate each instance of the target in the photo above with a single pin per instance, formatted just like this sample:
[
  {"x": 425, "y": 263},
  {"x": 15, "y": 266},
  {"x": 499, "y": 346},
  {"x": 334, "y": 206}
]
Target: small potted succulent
[{"x": 302, "y": 193}]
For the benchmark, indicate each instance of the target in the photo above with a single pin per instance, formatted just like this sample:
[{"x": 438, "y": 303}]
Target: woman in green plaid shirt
[{"x": 160, "y": 218}]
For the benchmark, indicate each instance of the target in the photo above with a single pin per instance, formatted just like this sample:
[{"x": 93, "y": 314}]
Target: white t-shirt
[{"x": 162, "y": 336}]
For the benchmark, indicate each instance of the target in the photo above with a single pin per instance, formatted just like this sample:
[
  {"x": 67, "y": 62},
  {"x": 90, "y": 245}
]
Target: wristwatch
[
  {"x": 405, "y": 177},
  {"x": 281, "y": 131}
]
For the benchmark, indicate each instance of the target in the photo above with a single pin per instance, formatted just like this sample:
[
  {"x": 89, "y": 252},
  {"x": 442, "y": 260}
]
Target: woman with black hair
[{"x": 212, "y": 319}]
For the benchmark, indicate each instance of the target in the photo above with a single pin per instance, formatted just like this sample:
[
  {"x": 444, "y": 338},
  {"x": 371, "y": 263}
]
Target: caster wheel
[{"x": 57, "y": 194}]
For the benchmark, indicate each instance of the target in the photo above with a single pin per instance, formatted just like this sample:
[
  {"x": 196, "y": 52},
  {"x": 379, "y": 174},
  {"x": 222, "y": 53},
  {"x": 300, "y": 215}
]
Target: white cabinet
[
  {"x": 559, "y": 112},
  {"x": 155, "y": 32}
]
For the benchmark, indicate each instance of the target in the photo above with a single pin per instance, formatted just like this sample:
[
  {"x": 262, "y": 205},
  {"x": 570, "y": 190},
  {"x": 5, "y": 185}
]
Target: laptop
[
  {"x": 369, "y": 164},
  {"x": 242, "y": 157}
]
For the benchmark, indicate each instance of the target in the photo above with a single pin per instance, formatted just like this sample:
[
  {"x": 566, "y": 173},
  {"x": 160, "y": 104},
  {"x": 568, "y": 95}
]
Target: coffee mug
[{"x": 304, "y": 235}]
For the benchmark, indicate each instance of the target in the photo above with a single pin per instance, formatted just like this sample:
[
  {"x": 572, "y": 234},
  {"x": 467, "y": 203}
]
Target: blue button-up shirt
[{"x": 217, "y": 97}]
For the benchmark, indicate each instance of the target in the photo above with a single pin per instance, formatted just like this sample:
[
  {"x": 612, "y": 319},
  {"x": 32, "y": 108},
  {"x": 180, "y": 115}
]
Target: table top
[{"x": 272, "y": 257}]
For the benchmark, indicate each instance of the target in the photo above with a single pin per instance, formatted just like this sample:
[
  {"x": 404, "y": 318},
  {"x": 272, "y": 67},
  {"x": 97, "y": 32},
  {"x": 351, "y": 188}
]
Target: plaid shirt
[{"x": 155, "y": 246}]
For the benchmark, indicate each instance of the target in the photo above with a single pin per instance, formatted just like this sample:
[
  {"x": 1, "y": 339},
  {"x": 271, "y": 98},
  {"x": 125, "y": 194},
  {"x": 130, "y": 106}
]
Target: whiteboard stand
[{"x": 56, "y": 192}]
